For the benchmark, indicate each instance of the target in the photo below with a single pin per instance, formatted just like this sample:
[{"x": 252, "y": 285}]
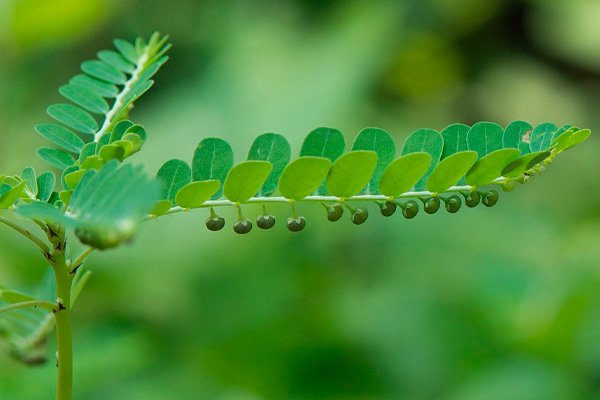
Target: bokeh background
[{"x": 500, "y": 303}]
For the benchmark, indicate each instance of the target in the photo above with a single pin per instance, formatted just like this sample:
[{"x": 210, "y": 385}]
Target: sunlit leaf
[
  {"x": 73, "y": 117},
  {"x": 245, "y": 179},
  {"x": 194, "y": 194},
  {"x": 490, "y": 167},
  {"x": 403, "y": 173},
  {"x": 351, "y": 172},
  {"x": 303, "y": 176},
  {"x": 10, "y": 197},
  {"x": 518, "y": 166},
  {"x": 382, "y": 143},
  {"x": 450, "y": 170}
]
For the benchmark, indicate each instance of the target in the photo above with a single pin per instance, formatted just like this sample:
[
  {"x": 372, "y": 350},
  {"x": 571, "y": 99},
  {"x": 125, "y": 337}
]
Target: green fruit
[
  {"x": 387, "y": 209},
  {"x": 102, "y": 239},
  {"x": 432, "y": 205},
  {"x": 242, "y": 227},
  {"x": 215, "y": 223},
  {"x": 508, "y": 186},
  {"x": 265, "y": 221},
  {"x": 453, "y": 204},
  {"x": 296, "y": 224},
  {"x": 490, "y": 198},
  {"x": 472, "y": 199},
  {"x": 335, "y": 212},
  {"x": 410, "y": 209},
  {"x": 360, "y": 215}
]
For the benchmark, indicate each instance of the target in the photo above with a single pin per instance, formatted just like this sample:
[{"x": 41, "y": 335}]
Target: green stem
[
  {"x": 46, "y": 305},
  {"x": 64, "y": 387}
]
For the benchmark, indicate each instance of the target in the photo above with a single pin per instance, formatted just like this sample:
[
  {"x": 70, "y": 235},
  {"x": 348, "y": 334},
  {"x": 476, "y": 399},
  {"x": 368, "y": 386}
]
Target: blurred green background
[{"x": 499, "y": 303}]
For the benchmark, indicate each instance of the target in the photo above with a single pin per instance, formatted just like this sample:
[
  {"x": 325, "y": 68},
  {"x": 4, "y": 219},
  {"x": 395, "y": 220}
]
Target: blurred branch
[{"x": 37, "y": 241}]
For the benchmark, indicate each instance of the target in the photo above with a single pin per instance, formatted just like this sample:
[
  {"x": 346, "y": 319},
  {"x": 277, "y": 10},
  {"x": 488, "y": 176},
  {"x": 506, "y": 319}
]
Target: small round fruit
[
  {"x": 296, "y": 224},
  {"x": 265, "y": 221},
  {"x": 508, "y": 186},
  {"x": 360, "y": 215},
  {"x": 410, "y": 209},
  {"x": 242, "y": 227},
  {"x": 453, "y": 204},
  {"x": 490, "y": 198},
  {"x": 215, "y": 223},
  {"x": 388, "y": 208},
  {"x": 432, "y": 205},
  {"x": 335, "y": 212},
  {"x": 102, "y": 238},
  {"x": 472, "y": 199}
]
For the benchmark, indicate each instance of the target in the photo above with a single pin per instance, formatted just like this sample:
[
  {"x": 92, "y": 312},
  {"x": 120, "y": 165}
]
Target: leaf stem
[
  {"x": 46, "y": 305},
  {"x": 80, "y": 259},
  {"x": 37, "y": 241}
]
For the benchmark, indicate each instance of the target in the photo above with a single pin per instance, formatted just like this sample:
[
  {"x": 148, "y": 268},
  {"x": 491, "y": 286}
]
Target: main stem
[{"x": 62, "y": 316}]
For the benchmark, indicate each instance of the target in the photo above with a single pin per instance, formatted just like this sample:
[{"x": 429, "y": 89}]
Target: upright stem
[{"x": 64, "y": 364}]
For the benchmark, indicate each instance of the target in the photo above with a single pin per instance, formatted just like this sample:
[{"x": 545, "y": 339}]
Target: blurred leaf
[
  {"x": 245, "y": 179},
  {"x": 127, "y": 50},
  {"x": 576, "y": 138},
  {"x": 115, "y": 60},
  {"x": 455, "y": 139},
  {"x": 173, "y": 175},
  {"x": 102, "y": 89},
  {"x": 275, "y": 149},
  {"x": 10, "y": 197},
  {"x": 73, "y": 117},
  {"x": 351, "y": 172},
  {"x": 161, "y": 207},
  {"x": 303, "y": 176},
  {"x": 379, "y": 141},
  {"x": 490, "y": 167},
  {"x": 428, "y": 141},
  {"x": 194, "y": 194},
  {"x": 213, "y": 158},
  {"x": 104, "y": 72},
  {"x": 450, "y": 170},
  {"x": 485, "y": 138},
  {"x": 45, "y": 183},
  {"x": 61, "y": 137},
  {"x": 403, "y": 173},
  {"x": 29, "y": 177}
]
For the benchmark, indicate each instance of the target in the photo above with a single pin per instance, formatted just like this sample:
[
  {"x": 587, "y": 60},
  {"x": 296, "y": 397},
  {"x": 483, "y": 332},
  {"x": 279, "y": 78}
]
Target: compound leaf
[
  {"x": 275, "y": 149},
  {"x": 173, "y": 175},
  {"x": 450, "y": 170},
  {"x": 351, "y": 172},
  {"x": 403, "y": 173},
  {"x": 382, "y": 143},
  {"x": 245, "y": 179},
  {"x": 303, "y": 176},
  {"x": 490, "y": 167},
  {"x": 213, "y": 158}
]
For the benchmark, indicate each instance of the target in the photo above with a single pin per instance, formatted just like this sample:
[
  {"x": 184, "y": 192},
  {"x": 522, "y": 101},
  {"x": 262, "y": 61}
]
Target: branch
[
  {"x": 37, "y": 241},
  {"x": 80, "y": 259},
  {"x": 46, "y": 305}
]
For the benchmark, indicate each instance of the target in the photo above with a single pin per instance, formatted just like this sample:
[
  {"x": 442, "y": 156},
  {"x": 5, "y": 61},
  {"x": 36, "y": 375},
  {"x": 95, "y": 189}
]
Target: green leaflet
[
  {"x": 485, "y": 138},
  {"x": 28, "y": 176},
  {"x": 73, "y": 117},
  {"x": 45, "y": 183},
  {"x": 115, "y": 60},
  {"x": 127, "y": 50},
  {"x": 138, "y": 130},
  {"x": 104, "y": 72},
  {"x": 403, "y": 173},
  {"x": 541, "y": 137},
  {"x": 61, "y": 137},
  {"x": 351, "y": 173},
  {"x": 455, "y": 139},
  {"x": 161, "y": 208},
  {"x": 67, "y": 171},
  {"x": 382, "y": 143},
  {"x": 576, "y": 138},
  {"x": 213, "y": 158},
  {"x": 85, "y": 98},
  {"x": 173, "y": 175},
  {"x": 194, "y": 194},
  {"x": 323, "y": 142},
  {"x": 450, "y": 170},
  {"x": 490, "y": 167},
  {"x": 514, "y": 134},
  {"x": 518, "y": 166},
  {"x": 303, "y": 176},
  {"x": 245, "y": 179},
  {"x": 87, "y": 151},
  {"x": 7, "y": 199},
  {"x": 119, "y": 130},
  {"x": 102, "y": 89},
  {"x": 56, "y": 158},
  {"x": 275, "y": 149},
  {"x": 92, "y": 162},
  {"x": 73, "y": 178},
  {"x": 112, "y": 152},
  {"x": 560, "y": 131},
  {"x": 428, "y": 141}
]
